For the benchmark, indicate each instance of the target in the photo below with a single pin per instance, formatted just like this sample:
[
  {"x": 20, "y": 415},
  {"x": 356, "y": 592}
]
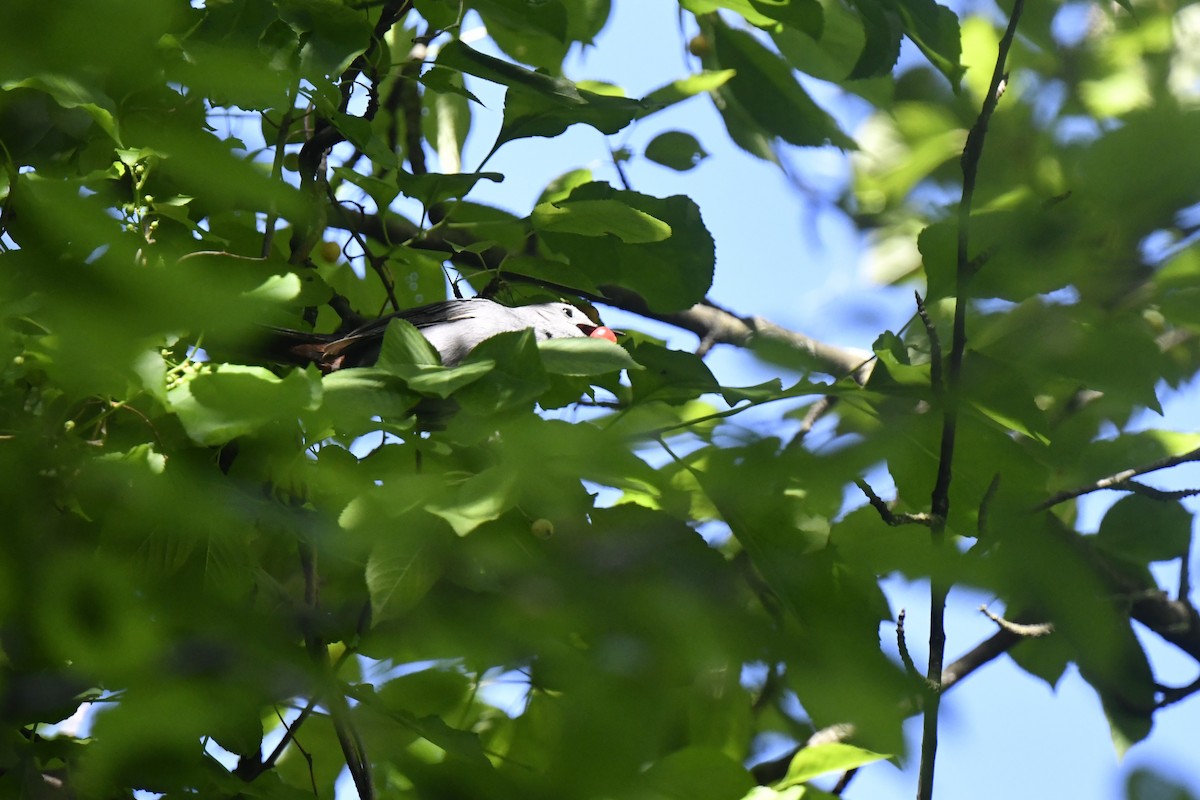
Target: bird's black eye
[{"x": 569, "y": 312}]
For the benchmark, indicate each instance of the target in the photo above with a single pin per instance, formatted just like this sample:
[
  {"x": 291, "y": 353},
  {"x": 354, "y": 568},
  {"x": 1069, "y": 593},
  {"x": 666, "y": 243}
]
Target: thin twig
[
  {"x": 281, "y": 136},
  {"x": 378, "y": 264},
  {"x": 621, "y": 176},
  {"x": 410, "y": 103},
  {"x": 1185, "y": 573},
  {"x": 1155, "y": 493},
  {"x": 1028, "y": 631},
  {"x": 815, "y": 412},
  {"x": 1115, "y": 480},
  {"x": 891, "y": 518},
  {"x": 339, "y": 711},
  {"x": 1171, "y": 696},
  {"x": 994, "y": 646},
  {"x": 935, "y": 346},
  {"x": 940, "y": 497},
  {"x": 985, "y": 505},
  {"x": 902, "y": 644},
  {"x": 289, "y": 733},
  {"x": 248, "y": 769},
  {"x": 843, "y": 782}
]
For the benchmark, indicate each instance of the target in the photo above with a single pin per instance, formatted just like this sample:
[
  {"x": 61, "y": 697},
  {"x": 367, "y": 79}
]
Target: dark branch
[
  {"x": 940, "y": 497},
  {"x": 888, "y": 516},
  {"x": 1118, "y": 479}
]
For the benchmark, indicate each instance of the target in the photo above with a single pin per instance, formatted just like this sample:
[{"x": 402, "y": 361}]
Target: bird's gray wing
[
  {"x": 446, "y": 311},
  {"x": 421, "y": 317}
]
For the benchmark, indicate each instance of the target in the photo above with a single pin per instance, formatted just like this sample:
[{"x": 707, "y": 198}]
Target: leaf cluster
[{"x": 557, "y": 569}]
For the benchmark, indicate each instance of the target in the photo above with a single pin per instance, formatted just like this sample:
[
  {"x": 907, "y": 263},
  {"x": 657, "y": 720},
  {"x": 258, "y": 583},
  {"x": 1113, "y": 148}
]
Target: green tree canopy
[{"x": 264, "y": 575}]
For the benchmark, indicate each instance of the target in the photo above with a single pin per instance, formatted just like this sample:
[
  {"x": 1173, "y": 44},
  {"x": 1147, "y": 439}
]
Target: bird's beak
[{"x": 598, "y": 332}]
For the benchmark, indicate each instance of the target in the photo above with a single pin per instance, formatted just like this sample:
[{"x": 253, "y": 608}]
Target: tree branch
[
  {"x": 339, "y": 711},
  {"x": 940, "y": 497},
  {"x": 705, "y": 319},
  {"x": 1118, "y": 479},
  {"x": 891, "y": 518},
  {"x": 1019, "y": 628}
]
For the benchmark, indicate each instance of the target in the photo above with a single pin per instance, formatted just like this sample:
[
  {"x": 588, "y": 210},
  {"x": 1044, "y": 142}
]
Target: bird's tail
[{"x": 330, "y": 352}]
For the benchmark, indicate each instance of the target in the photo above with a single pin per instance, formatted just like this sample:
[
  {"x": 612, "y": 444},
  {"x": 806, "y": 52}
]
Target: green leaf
[
  {"x": 559, "y": 273},
  {"x": 881, "y": 48},
  {"x": 447, "y": 81},
  {"x": 531, "y": 32},
  {"x": 401, "y": 569},
  {"x": 600, "y": 218},
  {"x": 698, "y": 773},
  {"x": 833, "y": 56},
  {"x": 537, "y": 104},
  {"x": 835, "y": 607},
  {"x": 675, "y": 149},
  {"x": 934, "y": 29},
  {"x": 1142, "y": 530},
  {"x": 381, "y": 192},
  {"x": 442, "y": 382},
  {"x": 684, "y": 88},
  {"x": 1147, "y": 783},
  {"x": 670, "y": 376},
  {"x": 514, "y": 375},
  {"x": 584, "y": 357},
  {"x": 1139, "y": 203},
  {"x": 404, "y": 346},
  {"x": 670, "y": 275},
  {"x": 229, "y": 400},
  {"x": 1045, "y": 657},
  {"x": 352, "y": 398},
  {"x": 803, "y": 15},
  {"x": 333, "y": 34},
  {"x": 374, "y": 512},
  {"x": 441, "y": 14},
  {"x": 435, "y": 187},
  {"x": 69, "y": 93},
  {"x": 1127, "y": 726},
  {"x": 426, "y": 692},
  {"x": 747, "y": 9},
  {"x": 812, "y": 762},
  {"x": 894, "y": 373},
  {"x": 768, "y": 91},
  {"x": 479, "y": 499}
]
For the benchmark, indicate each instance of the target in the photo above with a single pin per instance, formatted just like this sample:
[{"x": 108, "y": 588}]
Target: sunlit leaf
[
  {"x": 812, "y": 762},
  {"x": 231, "y": 400},
  {"x": 584, "y": 357},
  {"x": 670, "y": 273}
]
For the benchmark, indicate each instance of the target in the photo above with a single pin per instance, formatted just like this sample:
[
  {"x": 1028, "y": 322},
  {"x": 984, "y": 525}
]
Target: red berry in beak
[{"x": 603, "y": 333}]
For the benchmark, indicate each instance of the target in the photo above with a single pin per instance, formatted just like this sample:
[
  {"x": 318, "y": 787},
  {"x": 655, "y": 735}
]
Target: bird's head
[{"x": 563, "y": 320}]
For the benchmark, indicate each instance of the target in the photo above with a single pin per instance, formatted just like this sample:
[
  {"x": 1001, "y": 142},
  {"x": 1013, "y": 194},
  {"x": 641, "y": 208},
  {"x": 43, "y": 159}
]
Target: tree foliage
[{"x": 433, "y": 578}]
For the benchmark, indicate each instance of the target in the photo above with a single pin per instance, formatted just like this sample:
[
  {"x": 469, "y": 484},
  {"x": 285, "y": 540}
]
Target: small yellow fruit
[
  {"x": 542, "y": 528},
  {"x": 330, "y": 251},
  {"x": 699, "y": 46}
]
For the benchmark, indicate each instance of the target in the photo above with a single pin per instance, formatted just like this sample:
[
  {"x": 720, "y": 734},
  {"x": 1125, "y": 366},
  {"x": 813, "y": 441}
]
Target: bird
[{"x": 453, "y": 327}]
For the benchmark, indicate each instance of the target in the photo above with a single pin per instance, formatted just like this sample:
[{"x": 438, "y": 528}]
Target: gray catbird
[{"x": 453, "y": 328}]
